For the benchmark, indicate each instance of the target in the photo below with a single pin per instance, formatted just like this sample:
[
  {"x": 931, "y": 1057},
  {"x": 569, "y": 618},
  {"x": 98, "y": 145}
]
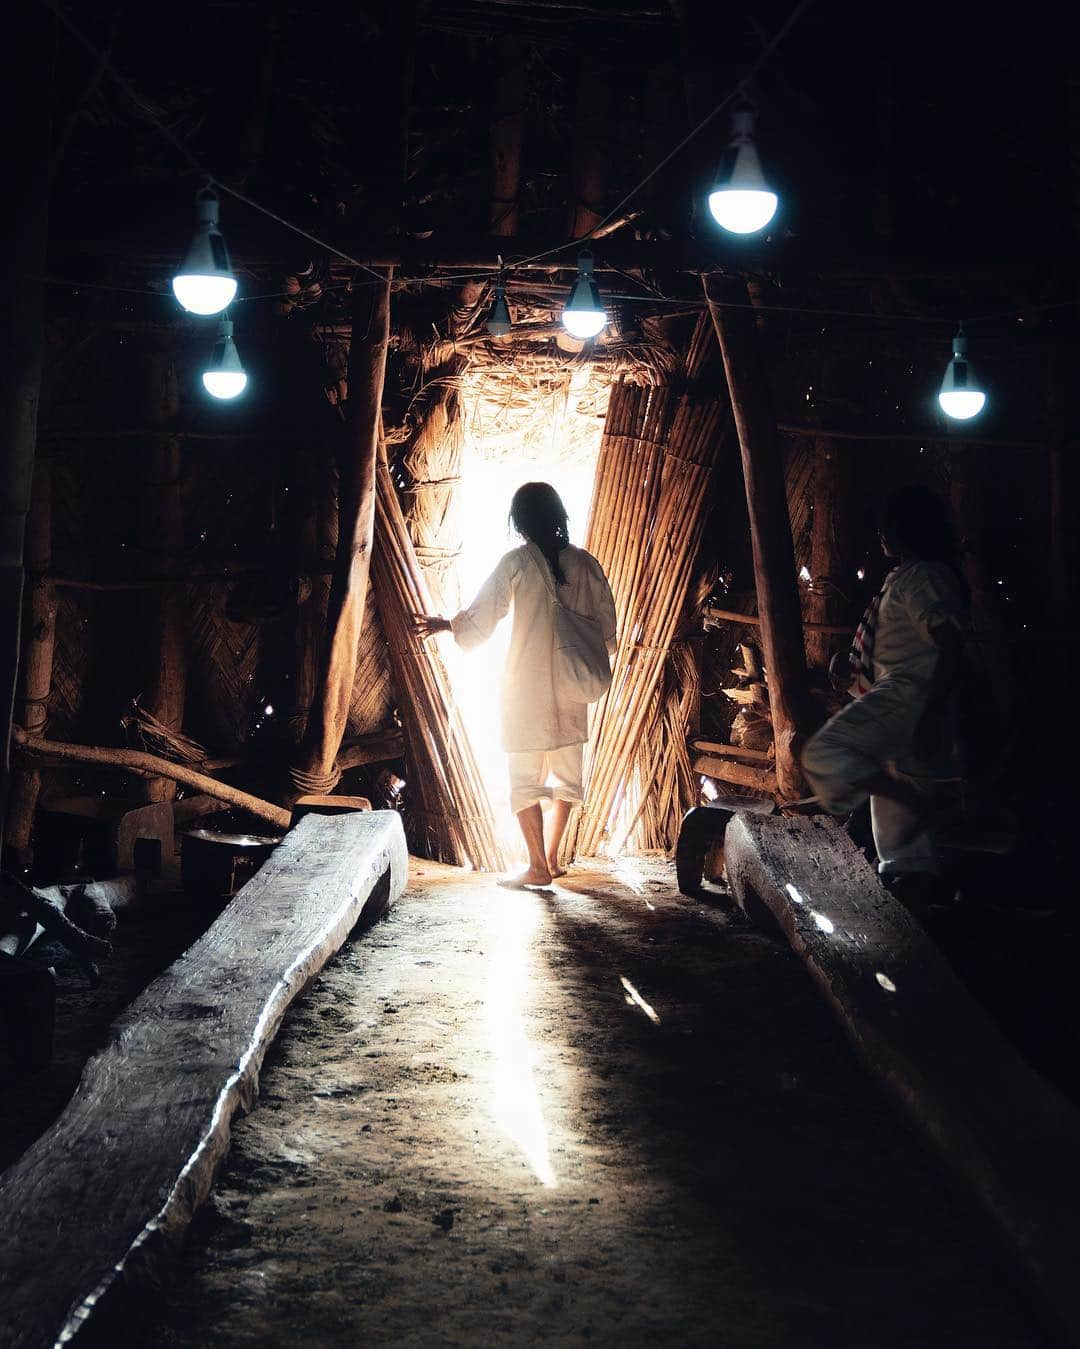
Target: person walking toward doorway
[{"x": 544, "y": 727}]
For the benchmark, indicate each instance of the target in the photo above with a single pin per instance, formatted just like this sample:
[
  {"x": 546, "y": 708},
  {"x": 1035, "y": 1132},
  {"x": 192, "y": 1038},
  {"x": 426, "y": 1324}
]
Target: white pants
[
  {"x": 873, "y": 735},
  {"x": 545, "y": 775}
]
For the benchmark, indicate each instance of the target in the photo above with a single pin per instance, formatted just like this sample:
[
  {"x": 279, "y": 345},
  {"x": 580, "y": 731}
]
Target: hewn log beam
[
  {"x": 770, "y": 528},
  {"x": 313, "y": 769}
]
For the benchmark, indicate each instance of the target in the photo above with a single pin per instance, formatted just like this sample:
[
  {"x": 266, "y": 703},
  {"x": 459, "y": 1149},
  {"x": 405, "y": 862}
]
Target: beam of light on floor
[
  {"x": 634, "y": 997},
  {"x": 516, "y": 1104}
]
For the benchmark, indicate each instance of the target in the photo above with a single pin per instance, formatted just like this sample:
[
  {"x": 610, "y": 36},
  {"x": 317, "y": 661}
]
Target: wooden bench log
[
  {"x": 94, "y": 1209},
  {"x": 1011, "y": 1137}
]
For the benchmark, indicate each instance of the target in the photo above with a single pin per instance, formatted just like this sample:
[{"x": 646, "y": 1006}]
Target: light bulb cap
[
  {"x": 499, "y": 324},
  {"x": 205, "y": 283}
]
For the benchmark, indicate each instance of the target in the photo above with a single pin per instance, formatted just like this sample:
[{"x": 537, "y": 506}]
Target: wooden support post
[
  {"x": 162, "y": 539},
  {"x": 506, "y": 130},
  {"x": 30, "y": 38},
  {"x": 770, "y": 527},
  {"x": 36, "y": 674},
  {"x": 313, "y": 768},
  {"x": 830, "y": 550}
]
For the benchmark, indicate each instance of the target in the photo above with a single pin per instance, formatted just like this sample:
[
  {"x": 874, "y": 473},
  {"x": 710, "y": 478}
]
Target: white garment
[
  {"x": 545, "y": 775},
  {"x": 873, "y": 734},
  {"x": 532, "y": 717}
]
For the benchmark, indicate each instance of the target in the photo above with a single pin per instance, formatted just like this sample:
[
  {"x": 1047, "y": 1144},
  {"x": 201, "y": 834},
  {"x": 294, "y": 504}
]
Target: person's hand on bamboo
[{"x": 428, "y": 625}]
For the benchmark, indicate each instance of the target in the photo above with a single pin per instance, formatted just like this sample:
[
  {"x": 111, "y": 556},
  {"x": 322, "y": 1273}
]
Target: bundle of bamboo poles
[
  {"x": 450, "y": 814},
  {"x": 648, "y": 512}
]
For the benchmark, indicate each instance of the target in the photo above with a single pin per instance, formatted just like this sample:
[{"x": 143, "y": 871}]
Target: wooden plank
[
  {"x": 997, "y": 1123},
  {"x": 737, "y": 752},
  {"x": 742, "y": 775},
  {"x": 97, "y": 1205}
]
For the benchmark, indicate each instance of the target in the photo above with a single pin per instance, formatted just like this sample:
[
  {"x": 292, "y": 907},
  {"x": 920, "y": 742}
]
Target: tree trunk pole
[
  {"x": 162, "y": 529},
  {"x": 830, "y": 549},
  {"x": 770, "y": 527},
  {"x": 31, "y": 707},
  {"x": 313, "y": 768},
  {"x": 506, "y": 131},
  {"x": 27, "y": 103}
]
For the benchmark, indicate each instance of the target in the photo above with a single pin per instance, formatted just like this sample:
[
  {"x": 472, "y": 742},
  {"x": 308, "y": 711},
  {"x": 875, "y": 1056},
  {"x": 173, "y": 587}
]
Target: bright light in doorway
[{"x": 554, "y": 437}]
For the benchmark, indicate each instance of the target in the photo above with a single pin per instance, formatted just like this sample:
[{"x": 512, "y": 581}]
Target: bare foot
[
  {"x": 530, "y": 877},
  {"x": 555, "y": 869}
]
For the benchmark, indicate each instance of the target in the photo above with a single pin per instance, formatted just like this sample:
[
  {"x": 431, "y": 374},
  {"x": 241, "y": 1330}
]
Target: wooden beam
[
  {"x": 740, "y": 774},
  {"x": 770, "y": 527},
  {"x": 904, "y": 437},
  {"x": 1005, "y": 1132},
  {"x": 721, "y": 751},
  {"x": 100, "y": 1203},
  {"x": 313, "y": 768},
  {"x": 150, "y": 765},
  {"x": 711, "y": 614}
]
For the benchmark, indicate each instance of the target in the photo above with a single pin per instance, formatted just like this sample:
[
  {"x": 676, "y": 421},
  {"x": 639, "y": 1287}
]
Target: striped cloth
[{"x": 861, "y": 655}]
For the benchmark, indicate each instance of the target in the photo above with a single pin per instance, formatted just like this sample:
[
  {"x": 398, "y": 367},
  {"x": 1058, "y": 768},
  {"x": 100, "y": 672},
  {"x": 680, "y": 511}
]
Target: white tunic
[{"x": 532, "y": 717}]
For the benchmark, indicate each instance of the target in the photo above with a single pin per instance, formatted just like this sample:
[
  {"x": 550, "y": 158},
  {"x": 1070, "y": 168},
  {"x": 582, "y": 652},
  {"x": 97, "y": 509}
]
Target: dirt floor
[{"x": 602, "y": 1114}]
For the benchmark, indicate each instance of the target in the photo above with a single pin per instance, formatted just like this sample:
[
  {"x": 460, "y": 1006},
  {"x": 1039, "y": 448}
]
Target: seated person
[{"x": 893, "y": 743}]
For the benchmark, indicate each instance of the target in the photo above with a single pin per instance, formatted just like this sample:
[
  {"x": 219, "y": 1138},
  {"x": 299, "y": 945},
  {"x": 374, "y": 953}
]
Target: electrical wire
[
  {"x": 185, "y": 151},
  {"x": 785, "y": 28},
  {"x": 188, "y": 154}
]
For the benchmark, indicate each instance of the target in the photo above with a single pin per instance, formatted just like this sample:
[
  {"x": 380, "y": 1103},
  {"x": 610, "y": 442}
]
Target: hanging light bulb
[
  {"x": 741, "y": 200},
  {"x": 205, "y": 283},
  {"x": 960, "y": 396},
  {"x": 498, "y": 324},
  {"x": 224, "y": 376},
  {"x": 583, "y": 314}
]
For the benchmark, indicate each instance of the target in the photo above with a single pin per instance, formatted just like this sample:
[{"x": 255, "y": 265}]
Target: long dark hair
[
  {"x": 917, "y": 521},
  {"x": 537, "y": 513}
]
